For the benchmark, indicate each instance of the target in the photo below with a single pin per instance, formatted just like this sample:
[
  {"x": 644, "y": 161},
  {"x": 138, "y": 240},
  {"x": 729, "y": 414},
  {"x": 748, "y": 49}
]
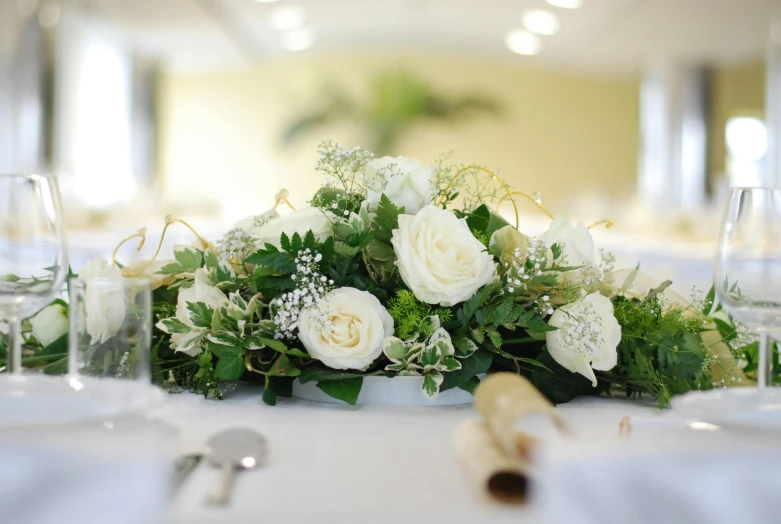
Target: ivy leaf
[
  {"x": 230, "y": 365},
  {"x": 200, "y": 314},
  {"x": 277, "y": 387},
  {"x": 346, "y": 390},
  {"x": 276, "y": 345}
]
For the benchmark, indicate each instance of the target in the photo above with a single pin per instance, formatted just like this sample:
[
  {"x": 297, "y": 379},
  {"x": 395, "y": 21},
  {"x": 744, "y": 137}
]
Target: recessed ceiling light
[
  {"x": 297, "y": 39},
  {"x": 541, "y": 22},
  {"x": 287, "y": 17},
  {"x": 566, "y": 4},
  {"x": 523, "y": 42}
]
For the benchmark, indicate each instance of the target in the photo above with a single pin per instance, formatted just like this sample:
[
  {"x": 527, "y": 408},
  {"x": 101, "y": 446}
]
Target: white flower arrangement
[{"x": 399, "y": 268}]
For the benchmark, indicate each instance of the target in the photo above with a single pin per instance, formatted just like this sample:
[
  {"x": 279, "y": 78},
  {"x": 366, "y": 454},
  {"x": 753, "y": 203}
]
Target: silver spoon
[{"x": 234, "y": 449}]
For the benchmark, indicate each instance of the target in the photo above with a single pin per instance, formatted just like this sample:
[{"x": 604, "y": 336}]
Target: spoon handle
[{"x": 221, "y": 494}]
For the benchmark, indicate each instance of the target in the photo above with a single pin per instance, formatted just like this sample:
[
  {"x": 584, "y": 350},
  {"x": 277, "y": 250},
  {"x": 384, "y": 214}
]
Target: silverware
[{"x": 232, "y": 450}]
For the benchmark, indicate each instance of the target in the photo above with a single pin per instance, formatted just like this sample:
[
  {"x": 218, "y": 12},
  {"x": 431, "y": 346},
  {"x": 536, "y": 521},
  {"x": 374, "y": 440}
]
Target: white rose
[
  {"x": 575, "y": 240},
  {"x": 267, "y": 229},
  {"x": 50, "y": 324},
  {"x": 104, "y": 300},
  {"x": 438, "y": 257},
  {"x": 204, "y": 291},
  {"x": 346, "y": 329},
  {"x": 407, "y": 182},
  {"x": 587, "y": 337},
  {"x": 148, "y": 269}
]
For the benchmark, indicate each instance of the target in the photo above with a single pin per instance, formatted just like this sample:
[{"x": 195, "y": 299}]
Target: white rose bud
[
  {"x": 50, "y": 324},
  {"x": 300, "y": 221},
  {"x": 104, "y": 302},
  {"x": 576, "y": 243},
  {"x": 346, "y": 329},
  {"x": 409, "y": 183},
  {"x": 204, "y": 291},
  {"x": 438, "y": 257},
  {"x": 587, "y": 337}
]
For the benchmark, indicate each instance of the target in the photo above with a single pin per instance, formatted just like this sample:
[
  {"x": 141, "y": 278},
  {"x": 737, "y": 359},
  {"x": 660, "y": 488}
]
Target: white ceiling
[{"x": 602, "y": 36}]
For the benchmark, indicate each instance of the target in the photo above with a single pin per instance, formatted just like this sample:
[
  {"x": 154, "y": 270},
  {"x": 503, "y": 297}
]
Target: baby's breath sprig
[
  {"x": 311, "y": 287},
  {"x": 343, "y": 167}
]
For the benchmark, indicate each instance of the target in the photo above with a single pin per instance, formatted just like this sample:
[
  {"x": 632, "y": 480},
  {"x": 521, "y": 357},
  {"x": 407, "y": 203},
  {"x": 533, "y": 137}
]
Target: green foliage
[
  {"x": 188, "y": 259},
  {"x": 661, "y": 351},
  {"x": 408, "y": 313},
  {"x": 346, "y": 390}
]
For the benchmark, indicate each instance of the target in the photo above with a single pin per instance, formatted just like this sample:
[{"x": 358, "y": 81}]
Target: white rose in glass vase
[
  {"x": 407, "y": 182},
  {"x": 268, "y": 228},
  {"x": 587, "y": 336},
  {"x": 202, "y": 290},
  {"x": 438, "y": 257},
  {"x": 50, "y": 324},
  {"x": 346, "y": 329},
  {"x": 105, "y": 303}
]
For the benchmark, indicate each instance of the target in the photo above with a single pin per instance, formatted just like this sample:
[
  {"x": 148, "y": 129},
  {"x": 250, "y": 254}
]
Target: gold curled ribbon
[
  {"x": 142, "y": 235},
  {"x": 281, "y": 198},
  {"x": 608, "y": 223},
  {"x": 493, "y": 176}
]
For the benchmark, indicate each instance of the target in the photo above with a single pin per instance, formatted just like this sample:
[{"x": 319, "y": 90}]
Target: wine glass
[
  {"x": 33, "y": 253},
  {"x": 748, "y": 266}
]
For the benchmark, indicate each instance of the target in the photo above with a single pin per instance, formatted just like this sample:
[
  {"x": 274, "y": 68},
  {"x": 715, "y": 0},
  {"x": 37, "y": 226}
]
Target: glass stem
[
  {"x": 764, "y": 364},
  {"x": 14, "y": 347}
]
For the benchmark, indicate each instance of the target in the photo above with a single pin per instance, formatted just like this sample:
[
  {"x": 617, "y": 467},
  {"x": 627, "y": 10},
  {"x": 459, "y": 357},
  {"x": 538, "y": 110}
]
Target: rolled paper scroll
[
  {"x": 495, "y": 454},
  {"x": 505, "y": 398},
  {"x": 503, "y": 477}
]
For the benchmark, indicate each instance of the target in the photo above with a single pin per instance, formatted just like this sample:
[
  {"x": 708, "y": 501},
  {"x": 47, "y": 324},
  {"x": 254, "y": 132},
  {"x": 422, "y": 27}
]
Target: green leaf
[
  {"x": 223, "y": 272},
  {"x": 280, "y": 262},
  {"x": 188, "y": 257},
  {"x": 538, "y": 325},
  {"x": 210, "y": 259},
  {"x": 277, "y": 387},
  {"x": 657, "y": 290},
  {"x": 346, "y": 390},
  {"x": 472, "y": 366},
  {"x": 470, "y": 385},
  {"x": 276, "y": 345},
  {"x": 707, "y": 306},
  {"x": 200, "y": 314},
  {"x": 559, "y": 385},
  {"x": 175, "y": 326},
  {"x": 313, "y": 372},
  {"x": 386, "y": 219},
  {"x": 345, "y": 250},
  {"x": 486, "y": 221},
  {"x": 471, "y": 306},
  {"x": 283, "y": 368},
  {"x": 284, "y": 242},
  {"x": 230, "y": 365},
  {"x": 431, "y": 383},
  {"x": 225, "y": 338}
]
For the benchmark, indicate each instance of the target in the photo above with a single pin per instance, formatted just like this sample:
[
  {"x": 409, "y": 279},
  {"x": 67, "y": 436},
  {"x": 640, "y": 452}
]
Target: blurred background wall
[{"x": 644, "y": 112}]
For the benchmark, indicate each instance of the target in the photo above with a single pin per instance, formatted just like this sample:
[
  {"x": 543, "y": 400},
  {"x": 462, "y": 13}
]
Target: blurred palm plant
[{"x": 395, "y": 102}]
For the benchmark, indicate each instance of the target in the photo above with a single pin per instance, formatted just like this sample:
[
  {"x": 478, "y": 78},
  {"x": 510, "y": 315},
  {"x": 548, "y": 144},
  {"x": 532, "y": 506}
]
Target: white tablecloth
[{"x": 339, "y": 464}]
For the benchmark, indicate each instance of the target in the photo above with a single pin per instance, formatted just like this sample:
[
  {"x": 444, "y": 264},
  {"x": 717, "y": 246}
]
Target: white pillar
[
  {"x": 673, "y": 136},
  {"x": 772, "y": 175}
]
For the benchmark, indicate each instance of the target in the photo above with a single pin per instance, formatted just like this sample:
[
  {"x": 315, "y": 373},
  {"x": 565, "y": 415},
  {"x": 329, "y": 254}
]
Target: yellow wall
[
  {"x": 560, "y": 133},
  {"x": 735, "y": 91}
]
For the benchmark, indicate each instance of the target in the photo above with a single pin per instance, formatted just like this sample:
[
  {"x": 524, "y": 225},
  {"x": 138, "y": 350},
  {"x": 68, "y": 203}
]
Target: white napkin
[
  {"x": 96, "y": 471},
  {"x": 676, "y": 476}
]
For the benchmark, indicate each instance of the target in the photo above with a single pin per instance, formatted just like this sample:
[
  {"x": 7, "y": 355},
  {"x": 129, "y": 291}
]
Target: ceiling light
[
  {"x": 287, "y": 17},
  {"x": 523, "y": 42},
  {"x": 566, "y": 4},
  {"x": 541, "y": 22},
  {"x": 297, "y": 39}
]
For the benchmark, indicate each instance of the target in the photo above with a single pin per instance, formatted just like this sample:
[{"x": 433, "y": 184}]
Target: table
[{"x": 343, "y": 464}]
